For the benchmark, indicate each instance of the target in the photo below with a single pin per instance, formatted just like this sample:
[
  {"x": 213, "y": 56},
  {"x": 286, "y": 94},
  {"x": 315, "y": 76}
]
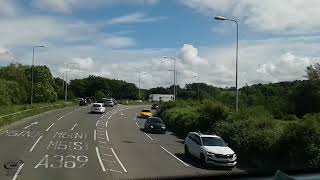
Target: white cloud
[
  {"x": 8, "y": 8},
  {"x": 189, "y": 54},
  {"x": 133, "y": 18},
  {"x": 296, "y": 16},
  {"x": 118, "y": 42},
  {"x": 68, "y": 6}
]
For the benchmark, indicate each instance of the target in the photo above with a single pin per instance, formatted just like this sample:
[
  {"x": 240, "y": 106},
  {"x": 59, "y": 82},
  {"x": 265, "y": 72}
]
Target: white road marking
[
  {"x": 102, "y": 142},
  {"x": 100, "y": 137},
  {"x": 109, "y": 161},
  {"x": 121, "y": 113},
  {"x": 100, "y": 161},
  {"x": 17, "y": 172},
  {"x": 106, "y": 124},
  {"x": 106, "y": 154},
  {"x": 109, "y": 117},
  {"x": 137, "y": 125},
  {"x": 97, "y": 123},
  {"x": 49, "y": 127},
  {"x": 34, "y": 145},
  {"x": 101, "y": 116},
  {"x": 60, "y": 118},
  {"x": 94, "y": 135},
  {"x": 34, "y": 123},
  {"x": 149, "y": 136},
  {"x": 174, "y": 156},
  {"x": 114, "y": 170},
  {"x": 107, "y": 136},
  {"x": 124, "y": 169},
  {"x": 76, "y": 124}
]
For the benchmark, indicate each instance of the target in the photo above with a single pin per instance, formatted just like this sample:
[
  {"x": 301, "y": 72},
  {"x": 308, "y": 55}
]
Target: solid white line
[
  {"x": 106, "y": 124},
  {"x": 106, "y": 154},
  {"x": 60, "y": 118},
  {"x": 137, "y": 125},
  {"x": 107, "y": 136},
  {"x": 94, "y": 135},
  {"x": 34, "y": 145},
  {"x": 148, "y": 136},
  {"x": 114, "y": 170},
  {"x": 18, "y": 171},
  {"x": 97, "y": 123},
  {"x": 174, "y": 156},
  {"x": 49, "y": 127},
  {"x": 124, "y": 169},
  {"x": 100, "y": 161},
  {"x": 109, "y": 161}
]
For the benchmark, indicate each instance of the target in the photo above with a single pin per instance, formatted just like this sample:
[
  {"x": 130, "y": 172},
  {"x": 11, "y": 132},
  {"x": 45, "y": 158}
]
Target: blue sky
[{"x": 121, "y": 38}]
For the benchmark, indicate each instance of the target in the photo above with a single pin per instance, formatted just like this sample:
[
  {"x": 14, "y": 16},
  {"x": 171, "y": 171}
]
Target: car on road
[
  {"x": 83, "y": 102},
  {"x": 210, "y": 149},
  {"x": 145, "y": 113},
  {"x": 98, "y": 108},
  {"x": 108, "y": 103},
  {"x": 155, "y": 125},
  {"x": 114, "y": 101},
  {"x": 154, "y": 106}
]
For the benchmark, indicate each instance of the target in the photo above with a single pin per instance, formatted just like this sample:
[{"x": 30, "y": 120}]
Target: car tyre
[{"x": 203, "y": 161}]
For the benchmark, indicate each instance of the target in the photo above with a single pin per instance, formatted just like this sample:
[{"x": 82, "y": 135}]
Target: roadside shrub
[{"x": 211, "y": 113}]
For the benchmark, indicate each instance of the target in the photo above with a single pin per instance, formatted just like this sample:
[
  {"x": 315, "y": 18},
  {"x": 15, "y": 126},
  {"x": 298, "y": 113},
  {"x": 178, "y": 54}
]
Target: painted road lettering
[
  {"x": 68, "y": 135},
  {"x": 67, "y": 145},
  {"x": 20, "y": 133},
  {"x": 60, "y": 161}
]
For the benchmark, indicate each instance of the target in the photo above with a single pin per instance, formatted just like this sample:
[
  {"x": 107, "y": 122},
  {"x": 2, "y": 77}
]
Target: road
[{"x": 72, "y": 143}]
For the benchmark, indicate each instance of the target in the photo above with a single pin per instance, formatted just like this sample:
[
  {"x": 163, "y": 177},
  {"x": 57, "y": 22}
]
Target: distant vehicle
[
  {"x": 108, "y": 103},
  {"x": 154, "y": 106},
  {"x": 114, "y": 101},
  {"x": 83, "y": 102},
  {"x": 98, "y": 108},
  {"x": 160, "y": 97},
  {"x": 155, "y": 125},
  {"x": 210, "y": 149},
  {"x": 145, "y": 113}
]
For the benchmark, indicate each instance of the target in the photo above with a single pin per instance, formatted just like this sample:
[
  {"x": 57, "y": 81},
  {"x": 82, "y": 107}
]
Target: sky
[{"x": 119, "y": 39}]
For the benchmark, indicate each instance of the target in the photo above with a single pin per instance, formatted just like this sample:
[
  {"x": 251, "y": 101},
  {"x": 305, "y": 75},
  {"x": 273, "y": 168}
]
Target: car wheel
[
  {"x": 203, "y": 161},
  {"x": 186, "y": 151}
]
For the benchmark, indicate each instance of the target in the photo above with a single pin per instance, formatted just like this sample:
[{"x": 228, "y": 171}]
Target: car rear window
[
  {"x": 212, "y": 141},
  {"x": 96, "y": 105},
  {"x": 155, "y": 120}
]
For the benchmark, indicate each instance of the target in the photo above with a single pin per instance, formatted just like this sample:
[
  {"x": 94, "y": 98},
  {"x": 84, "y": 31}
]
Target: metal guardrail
[{"x": 12, "y": 114}]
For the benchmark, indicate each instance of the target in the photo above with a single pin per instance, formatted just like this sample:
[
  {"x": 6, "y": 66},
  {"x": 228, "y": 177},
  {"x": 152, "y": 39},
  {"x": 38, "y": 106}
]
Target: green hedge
[{"x": 259, "y": 140}]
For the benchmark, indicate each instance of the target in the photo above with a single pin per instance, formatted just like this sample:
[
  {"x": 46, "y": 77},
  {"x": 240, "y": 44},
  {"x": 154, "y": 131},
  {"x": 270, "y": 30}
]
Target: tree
[{"x": 313, "y": 71}]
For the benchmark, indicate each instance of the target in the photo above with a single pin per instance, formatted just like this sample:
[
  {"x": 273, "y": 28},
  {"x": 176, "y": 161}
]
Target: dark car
[
  {"x": 83, "y": 102},
  {"x": 155, "y": 125},
  {"x": 154, "y": 106}
]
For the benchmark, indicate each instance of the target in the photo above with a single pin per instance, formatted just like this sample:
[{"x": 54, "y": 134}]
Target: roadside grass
[{"x": 12, "y": 113}]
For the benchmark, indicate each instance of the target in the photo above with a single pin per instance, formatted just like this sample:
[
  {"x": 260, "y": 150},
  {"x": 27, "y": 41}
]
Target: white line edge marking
[
  {"x": 34, "y": 145},
  {"x": 148, "y": 136},
  {"x": 17, "y": 172},
  {"x": 94, "y": 135},
  {"x": 101, "y": 116},
  {"x": 107, "y": 124},
  {"x": 174, "y": 156},
  {"x": 114, "y": 170},
  {"x": 76, "y": 124},
  {"x": 137, "y": 125},
  {"x": 109, "y": 161},
  {"x": 100, "y": 161},
  {"x": 60, "y": 118},
  {"x": 97, "y": 123},
  {"x": 109, "y": 117},
  {"x": 49, "y": 127},
  {"x": 107, "y": 136},
  {"x": 106, "y": 154},
  {"x": 115, "y": 155}
]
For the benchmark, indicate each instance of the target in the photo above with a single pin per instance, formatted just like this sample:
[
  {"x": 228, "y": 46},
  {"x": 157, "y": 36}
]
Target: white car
[
  {"x": 210, "y": 149},
  {"x": 98, "y": 108}
]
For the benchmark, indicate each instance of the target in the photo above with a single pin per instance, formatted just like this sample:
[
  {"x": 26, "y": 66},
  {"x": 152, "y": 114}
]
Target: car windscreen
[
  {"x": 213, "y": 141},
  {"x": 96, "y": 105},
  {"x": 145, "y": 111},
  {"x": 155, "y": 120}
]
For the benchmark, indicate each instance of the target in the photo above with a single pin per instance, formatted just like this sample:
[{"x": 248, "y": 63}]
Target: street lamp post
[
  {"x": 174, "y": 75},
  {"x": 140, "y": 81},
  {"x": 221, "y": 18},
  {"x": 32, "y": 66},
  {"x": 198, "y": 87},
  {"x": 66, "y": 89}
]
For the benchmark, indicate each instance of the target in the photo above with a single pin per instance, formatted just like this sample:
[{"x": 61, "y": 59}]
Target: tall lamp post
[
  {"x": 198, "y": 86},
  {"x": 66, "y": 89},
  {"x": 174, "y": 75},
  {"x": 221, "y": 18},
  {"x": 140, "y": 82},
  {"x": 32, "y": 67}
]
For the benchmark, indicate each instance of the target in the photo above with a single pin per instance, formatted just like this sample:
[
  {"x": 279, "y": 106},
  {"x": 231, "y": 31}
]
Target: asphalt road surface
[{"x": 72, "y": 143}]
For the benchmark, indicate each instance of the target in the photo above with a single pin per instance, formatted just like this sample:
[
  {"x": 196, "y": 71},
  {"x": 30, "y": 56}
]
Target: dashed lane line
[
  {"x": 149, "y": 136},
  {"x": 49, "y": 127},
  {"x": 60, "y": 118},
  {"x": 137, "y": 125},
  {"x": 115, "y": 155},
  {"x": 114, "y": 170},
  {"x": 17, "y": 172},
  {"x": 100, "y": 161},
  {"x": 97, "y": 123},
  {"x": 106, "y": 154},
  {"x": 174, "y": 156},
  {"x": 109, "y": 161},
  {"x": 95, "y": 135},
  {"x": 34, "y": 145}
]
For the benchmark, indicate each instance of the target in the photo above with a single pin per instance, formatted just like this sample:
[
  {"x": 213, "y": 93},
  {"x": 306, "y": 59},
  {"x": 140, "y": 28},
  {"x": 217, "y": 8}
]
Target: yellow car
[{"x": 146, "y": 113}]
